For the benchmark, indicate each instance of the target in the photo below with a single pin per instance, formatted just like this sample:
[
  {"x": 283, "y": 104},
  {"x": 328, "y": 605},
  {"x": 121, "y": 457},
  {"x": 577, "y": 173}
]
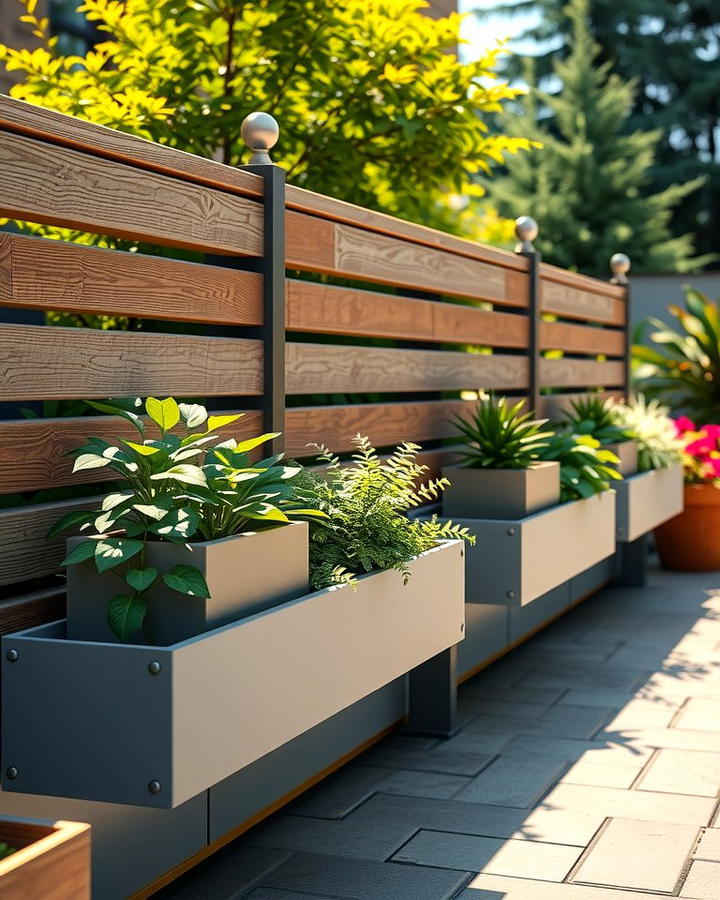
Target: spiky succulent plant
[{"x": 594, "y": 416}]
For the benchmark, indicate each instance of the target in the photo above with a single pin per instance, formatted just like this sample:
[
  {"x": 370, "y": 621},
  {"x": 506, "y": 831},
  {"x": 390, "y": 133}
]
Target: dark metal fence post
[
  {"x": 432, "y": 696},
  {"x": 260, "y": 132},
  {"x": 620, "y": 266},
  {"x": 526, "y": 230}
]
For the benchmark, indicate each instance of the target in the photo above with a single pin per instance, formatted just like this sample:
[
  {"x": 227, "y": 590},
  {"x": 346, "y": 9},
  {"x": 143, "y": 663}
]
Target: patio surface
[{"x": 587, "y": 768}]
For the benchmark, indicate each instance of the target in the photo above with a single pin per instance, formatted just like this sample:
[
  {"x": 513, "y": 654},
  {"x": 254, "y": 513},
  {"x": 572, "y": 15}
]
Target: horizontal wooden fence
[{"x": 388, "y": 324}]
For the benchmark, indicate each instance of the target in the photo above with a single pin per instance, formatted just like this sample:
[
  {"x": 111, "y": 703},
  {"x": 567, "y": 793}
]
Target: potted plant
[
  {"x": 690, "y": 542},
  {"x": 522, "y": 554},
  {"x": 154, "y": 726},
  {"x": 655, "y": 494},
  {"x": 44, "y": 859},
  {"x": 501, "y": 475},
  {"x": 594, "y": 417},
  {"x": 187, "y": 539}
]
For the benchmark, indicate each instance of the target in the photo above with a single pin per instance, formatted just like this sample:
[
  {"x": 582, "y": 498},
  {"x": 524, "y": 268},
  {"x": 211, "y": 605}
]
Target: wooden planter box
[
  {"x": 52, "y": 859},
  {"x": 515, "y": 561},
  {"x": 647, "y": 500},
  {"x": 154, "y": 726}
]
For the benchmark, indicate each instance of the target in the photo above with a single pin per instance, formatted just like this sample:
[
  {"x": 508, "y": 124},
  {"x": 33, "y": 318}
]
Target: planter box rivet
[
  {"x": 12, "y": 772},
  {"x": 154, "y": 786},
  {"x": 154, "y": 667},
  {"x": 13, "y": 655},
  {"x": 510, "y": 532},
  {"x": 510, "y": 594}
]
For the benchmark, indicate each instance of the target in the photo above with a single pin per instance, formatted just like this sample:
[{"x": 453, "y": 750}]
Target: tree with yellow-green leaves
[{"x": 372, "y": 106}]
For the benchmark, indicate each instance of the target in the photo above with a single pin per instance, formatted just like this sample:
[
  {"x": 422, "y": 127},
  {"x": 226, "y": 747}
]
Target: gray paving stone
[
  {"x": 362, "y": 880},
  {"x": 709, "y": 846},
  {"x": 612, "y": 751},
  {"x": 557, "y": 721},
  {"x": 273, "y": 894},
  {"x": 448, "y": 759},
  {"x": 606, "y": 679},
  {"x": 423, "y": 784},
  {"x": 499, "y": 887},
  {"x": 703, "y": 881},
  {"x": 671, "y": 738},
  {"x": 522, "y": 859},
  {"x": 335, "y": 797},
  {"x": 488, "y": 743},
  {"x": 642, "y": 713},
  {"x": 599, "y": 775},
  {"x": 646, "y": 856},
  {"x": 682, "y": 772},
  {"x": 608, "y": 699},
  {"x": 504, "y": 708},
  {"x": 700, "y": 714},
  {"x": 477, "y": 688},
  {"x": 228, "y": 873},
  {"x": 514, "y": 780}
]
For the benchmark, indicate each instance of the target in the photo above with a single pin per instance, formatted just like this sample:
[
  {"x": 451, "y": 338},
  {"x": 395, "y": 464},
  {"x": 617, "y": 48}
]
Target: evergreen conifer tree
[{"x": 587, "y": 186}]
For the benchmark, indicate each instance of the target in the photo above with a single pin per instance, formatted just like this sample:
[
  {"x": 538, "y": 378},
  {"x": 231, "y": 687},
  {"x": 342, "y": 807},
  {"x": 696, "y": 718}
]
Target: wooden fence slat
[
  {"x": 581, "y": 339},
  {"x": 386, "y": 424},
  {"x": 552, "y": 406},
  {"x": 323, "y": 368},
  {"x": 33, "y": 452},
  {"x": 319, "y": 245},
  {"x": 328, "y": 309},
  {"x": 39, "y": 363},
  {"x": 580, "y": 304},
  {"x": 42, "y": 274},
  {"x": 78, "y": 134},
  {"x": 580, "y": 281},
  {"x": 52, "y": 185},
  {"x": 32, "y": 609},
  {"x": 581, "y": 373}
]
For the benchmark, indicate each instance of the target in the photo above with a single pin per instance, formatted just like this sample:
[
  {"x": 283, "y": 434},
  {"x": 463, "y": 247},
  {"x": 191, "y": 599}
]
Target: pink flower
[
  {"x": 684, "y": 424},
  {"x": 702, "y": 445}
]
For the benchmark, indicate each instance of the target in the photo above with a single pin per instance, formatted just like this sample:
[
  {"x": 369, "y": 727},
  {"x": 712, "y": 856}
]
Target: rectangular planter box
[
  {"x": 647, "y": 500},
  {"x": 52, "y": 859},
  {"x": 627, "y": 453},
  {"x": 515, "y": 561},
  {"x": 91, "y": 721},
  {"x": 245, "y": 574},
  {"x": 500, "y": 493}
]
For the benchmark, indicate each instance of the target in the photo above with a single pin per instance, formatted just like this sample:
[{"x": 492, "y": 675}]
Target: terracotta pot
[{"x": 691, "y": 541}]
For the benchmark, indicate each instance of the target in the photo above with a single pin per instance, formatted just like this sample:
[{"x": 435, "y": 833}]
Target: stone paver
[
  {"x": 647, "y": 856},
  {"x": 587, "y": 767}
]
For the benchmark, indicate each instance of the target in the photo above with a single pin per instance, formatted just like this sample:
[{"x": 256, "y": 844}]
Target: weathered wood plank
[
  {"x": 319, "y": 245},
  {"x": 327, "y": 309},
  {"x": 33, "y": 452},
  {"x": 386, "y": 424},
  {"x": 581, "y": 282},
  {"x": 575, "y": 303},
  {"x": 57, "y": 186},
  {"x": 580, "y": 373},
  {"x": 39, "y": 363},
  {"x": 68, "y": 131},
  {"x": 29, "y": 610},
  {"x": 581, "y": 339},
  {"x": 323, "y": 368},
  {"x": 42, "y": 274}
]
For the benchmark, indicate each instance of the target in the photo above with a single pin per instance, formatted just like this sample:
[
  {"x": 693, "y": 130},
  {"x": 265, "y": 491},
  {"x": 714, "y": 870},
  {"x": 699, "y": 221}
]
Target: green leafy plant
[
  {"x": 198, "y": 486},
  {"x": 683, "y": 369},
  {"x": 365, "y": 502},
  {"x": 593, "y": 416},
  {"x": 6, "y": 850},
  {"x": 585, "y": 468},
  {"x": 499, "y": 436},
  {"x": 655, "y": 432}
]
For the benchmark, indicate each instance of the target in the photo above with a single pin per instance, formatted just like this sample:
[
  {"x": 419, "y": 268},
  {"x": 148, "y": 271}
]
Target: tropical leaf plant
[
  {"x": 654, "y": 431},
  {"x": 195, "y": 485},
  {"x": 585, "y": 467},
  {"x": 500, "y": 436},
  {"x": 365, "y": 503},
  {"x": 594, "y": 416},
  {"x": 683, "y": 368}
]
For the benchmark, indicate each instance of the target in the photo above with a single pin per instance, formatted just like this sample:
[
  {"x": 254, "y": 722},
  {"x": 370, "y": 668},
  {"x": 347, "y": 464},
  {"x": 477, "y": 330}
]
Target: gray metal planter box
[
  {"x": 154, "y": 726},
  {"x": 515, "y": 561},
  {"x": 647, "y": 500},
  {"x": 501, "y": 493},
  {"x": 627, "y": 452},
  {"x": 245, "y": 574}
]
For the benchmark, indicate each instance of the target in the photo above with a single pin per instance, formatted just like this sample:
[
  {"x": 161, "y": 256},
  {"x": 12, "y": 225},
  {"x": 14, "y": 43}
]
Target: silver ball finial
[
  {"x": 620, "y": 266},
  {"x": 260, "y": 131},
  {"x": 526, "y": 230}
]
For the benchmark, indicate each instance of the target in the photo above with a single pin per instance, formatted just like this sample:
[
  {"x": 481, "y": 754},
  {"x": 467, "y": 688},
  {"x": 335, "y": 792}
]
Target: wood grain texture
[
  {"x": 29, "y": 610},
  {"x": 581, "y": 282},
  {"x": 56, "y": 186},
  {"x": 581, "y": 339},
  {"x": 53, "y": 864},
  {"x": 52, "y": 363},
  {"x": 327, "y": 309},
  {"x": 577, "y": 373},
  {"x": 339, "y": 211},
  {"x": 319, "y": 245},
  {"x": 573, "y": 303},
  {"x": 33, "y": 452},
  {"x": 27, "y": 551},
  {"x": 43, "y": 274},
  {"x": 386, "y": 424},
  {"x": 68, "y": 131},
  {"x": 323, "y": 368}
]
